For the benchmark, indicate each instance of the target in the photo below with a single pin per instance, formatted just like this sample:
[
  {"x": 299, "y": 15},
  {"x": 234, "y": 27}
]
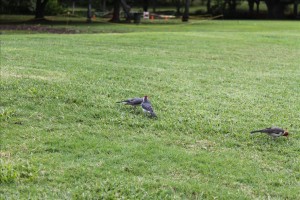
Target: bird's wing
[
  {"x": 277, "y": 130},
  {"x": 147, "y": 106},
  {"x": 135, "y": 101},
  {"x": 132, "y": 101}
]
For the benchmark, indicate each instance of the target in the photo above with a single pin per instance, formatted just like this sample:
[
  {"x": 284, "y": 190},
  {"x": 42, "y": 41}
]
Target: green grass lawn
[{"x": 210, "y": 83}]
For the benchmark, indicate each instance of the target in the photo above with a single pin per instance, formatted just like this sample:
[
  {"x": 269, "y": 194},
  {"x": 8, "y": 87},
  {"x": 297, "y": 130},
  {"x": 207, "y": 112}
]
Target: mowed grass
[{"x": 211, "y": 83}]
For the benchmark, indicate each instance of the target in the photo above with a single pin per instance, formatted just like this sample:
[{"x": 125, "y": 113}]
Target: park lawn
[{"x": 210, "y": 83}]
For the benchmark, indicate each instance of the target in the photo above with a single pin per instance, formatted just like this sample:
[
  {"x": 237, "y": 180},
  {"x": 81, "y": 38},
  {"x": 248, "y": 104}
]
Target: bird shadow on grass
[
  {"x": 267, "y": 142},
  {"x": 136, "y": 112},
  {"x": 131, "y": 110}
]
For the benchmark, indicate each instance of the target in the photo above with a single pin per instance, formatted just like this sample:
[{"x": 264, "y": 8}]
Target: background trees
[
  {"x": 40, "y": 8},
  {"x": 276, "y": 8}
]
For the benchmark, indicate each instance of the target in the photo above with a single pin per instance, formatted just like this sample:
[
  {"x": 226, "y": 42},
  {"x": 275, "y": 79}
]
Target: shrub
[{"x": 53, "y": 8}]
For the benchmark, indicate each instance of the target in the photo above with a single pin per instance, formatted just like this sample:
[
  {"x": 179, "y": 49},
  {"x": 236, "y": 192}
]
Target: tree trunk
[
  {"x": 257, "y": 6},
  {"x": 89, "y": 12},
  {"x": 126, "y": 9},
  {"x": 145, "y": 5},
  {"x": 208, "y": 6},
  {"x": 251, "y": 6},
  {"x": 295, "y": 9},
  {"x": 40, "y": 9},
  {"x": 185, "y": 16},
  {"x": 73, "y": 7},
  {"x": 154, "y": 5},
  {"x": 179, "y": 4},
  {"x": 275, "y": 9},
  {"x": 116, "y": 14},
  {"x": 232, "y": 7},
  {"x": 103, "y": 5}
]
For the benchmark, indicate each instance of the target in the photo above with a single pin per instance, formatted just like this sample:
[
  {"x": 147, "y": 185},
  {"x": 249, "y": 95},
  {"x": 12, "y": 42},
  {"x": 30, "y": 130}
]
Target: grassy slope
[{"x": 210, "y": 83}]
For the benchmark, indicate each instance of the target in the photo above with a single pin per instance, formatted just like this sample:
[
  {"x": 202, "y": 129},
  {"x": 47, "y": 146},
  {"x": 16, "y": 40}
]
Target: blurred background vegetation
[{"x": 229, "y": 9}]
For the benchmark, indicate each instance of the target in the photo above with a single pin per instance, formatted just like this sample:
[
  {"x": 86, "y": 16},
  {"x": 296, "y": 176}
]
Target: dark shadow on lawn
[{"x": 44, "y": 25}]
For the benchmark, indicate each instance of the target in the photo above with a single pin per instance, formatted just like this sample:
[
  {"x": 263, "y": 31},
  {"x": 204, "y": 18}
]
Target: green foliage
[
  {"x": 53, "y": 8},
  {"x": 210, "y": 83},
  {"x": 17, "y": 6}
]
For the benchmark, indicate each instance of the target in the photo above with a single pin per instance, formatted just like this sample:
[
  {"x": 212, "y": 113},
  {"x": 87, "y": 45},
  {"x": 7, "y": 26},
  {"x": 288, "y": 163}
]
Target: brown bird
[{"x": 273, "y": 132}]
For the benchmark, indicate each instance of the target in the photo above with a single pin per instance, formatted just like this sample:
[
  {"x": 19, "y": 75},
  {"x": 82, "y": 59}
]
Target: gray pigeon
[
  {"x": 273, "y": 132},
  {"x": 132, "y": 102},
  {"x": 147, "y": 107}
]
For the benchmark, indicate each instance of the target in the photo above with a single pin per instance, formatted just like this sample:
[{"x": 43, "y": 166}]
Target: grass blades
[{"x": 64, "y": 137}]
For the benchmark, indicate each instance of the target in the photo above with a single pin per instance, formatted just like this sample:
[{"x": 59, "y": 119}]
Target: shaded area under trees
[{"x": 276, "y": 8}]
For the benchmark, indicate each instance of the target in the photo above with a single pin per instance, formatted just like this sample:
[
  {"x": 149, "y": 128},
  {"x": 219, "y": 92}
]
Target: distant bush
[{"x": 53, "y": 8}]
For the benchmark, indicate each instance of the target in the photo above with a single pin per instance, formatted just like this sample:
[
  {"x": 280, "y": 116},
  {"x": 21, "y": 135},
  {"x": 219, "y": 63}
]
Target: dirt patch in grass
[{"x": 37, "y": 28}]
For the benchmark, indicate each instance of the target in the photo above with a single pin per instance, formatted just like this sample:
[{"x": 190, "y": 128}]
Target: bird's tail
[
  {"x": 258, "y": 131},
  {"x": 123, "y": 101}
]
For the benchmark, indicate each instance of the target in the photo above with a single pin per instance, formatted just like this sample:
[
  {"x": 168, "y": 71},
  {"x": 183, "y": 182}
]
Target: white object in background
[{"x": 146, "y": 15}]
